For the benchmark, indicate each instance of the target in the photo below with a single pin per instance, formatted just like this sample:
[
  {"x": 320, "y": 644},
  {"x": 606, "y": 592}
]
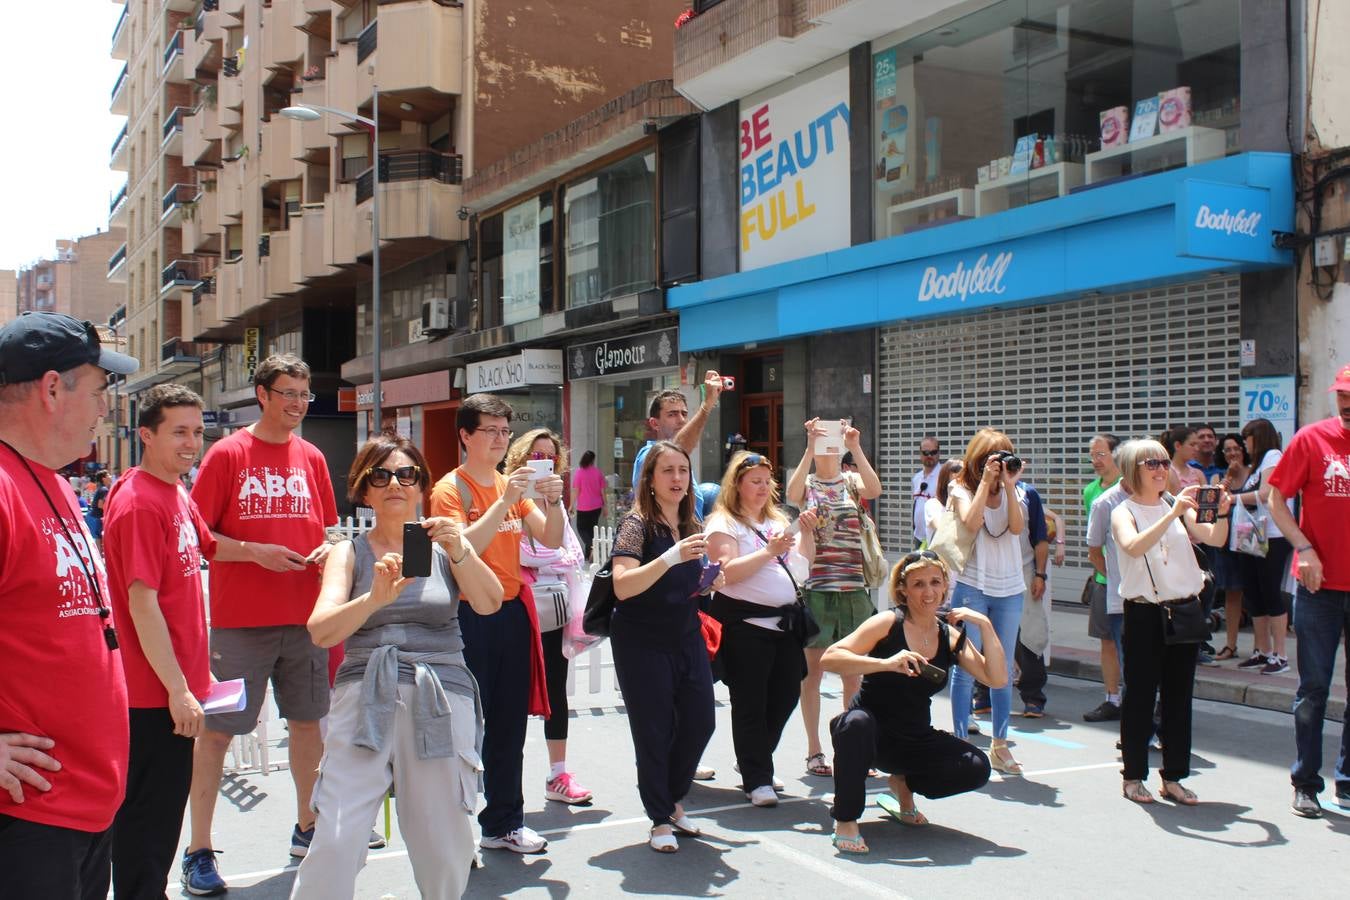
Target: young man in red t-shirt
[
  {"x": 155, "y": 540},
  {"x": 266, "y": 493},
  {"x": 1316, "y": 464},
  {"x": 63, "y": 699},
  {"x": 502, "y": 650}
]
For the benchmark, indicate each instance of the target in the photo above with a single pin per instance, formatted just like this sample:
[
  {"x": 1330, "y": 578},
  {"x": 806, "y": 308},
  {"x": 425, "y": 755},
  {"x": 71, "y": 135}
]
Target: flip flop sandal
[
  {"x": 1178, "y": 793},
  {"x": 891, "y": 807},
  {"x": 848, "y": 844},
  {"x": 816, "y": 765},
  {"x": 1135, "y": 791},
  {"x": 663, "y": 843},
  {"x": 685, "y": 826},
  {"x": 1226, "y": 653}
]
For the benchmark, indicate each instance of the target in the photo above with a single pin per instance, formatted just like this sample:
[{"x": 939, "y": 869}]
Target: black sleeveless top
[{"x": 902, "y": 702}]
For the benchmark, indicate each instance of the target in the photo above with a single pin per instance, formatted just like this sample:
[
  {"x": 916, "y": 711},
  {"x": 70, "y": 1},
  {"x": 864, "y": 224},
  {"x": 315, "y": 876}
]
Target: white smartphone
[
  {"x": 542, "y": 469},
  {"x": 831, "y": 443}
]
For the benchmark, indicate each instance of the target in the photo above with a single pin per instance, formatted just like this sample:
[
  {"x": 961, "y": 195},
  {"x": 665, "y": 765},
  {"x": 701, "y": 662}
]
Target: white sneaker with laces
[
  {"x": 763, "y": 795},
  {"x": 522, "y": 840}
]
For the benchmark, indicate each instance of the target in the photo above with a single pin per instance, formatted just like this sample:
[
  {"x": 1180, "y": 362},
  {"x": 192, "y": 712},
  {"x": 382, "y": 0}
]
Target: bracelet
[
  {"x": 1040, "y": 575},
  {"x": 1304, "y": 549}
]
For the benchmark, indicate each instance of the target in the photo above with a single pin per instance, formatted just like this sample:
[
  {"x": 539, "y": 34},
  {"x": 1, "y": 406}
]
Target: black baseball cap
[{"x": 39, "y": 342}]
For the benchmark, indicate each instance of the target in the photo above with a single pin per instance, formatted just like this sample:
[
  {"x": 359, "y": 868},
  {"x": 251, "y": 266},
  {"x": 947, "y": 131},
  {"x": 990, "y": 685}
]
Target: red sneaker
[{"x": 565, "y": 789}]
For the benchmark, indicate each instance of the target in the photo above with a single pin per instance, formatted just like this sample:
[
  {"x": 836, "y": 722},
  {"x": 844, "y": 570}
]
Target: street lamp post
[{"x": 309, "y": 112}]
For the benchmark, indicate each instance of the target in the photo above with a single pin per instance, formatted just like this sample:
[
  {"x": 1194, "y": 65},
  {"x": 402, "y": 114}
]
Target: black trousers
[
  {"x": 497, "y": 651},
  {"x": 555, "y": 679},
  {"x": 935, "y": 764},
  {"x": 145, "y": 832},
  {"x": 669, "y": 699},
  {"x": 1153, "y": 669},
  {"x": 587, "y": 519},
  {"x": 53, "y": 863},
  {"x": 763, "y": 670}
]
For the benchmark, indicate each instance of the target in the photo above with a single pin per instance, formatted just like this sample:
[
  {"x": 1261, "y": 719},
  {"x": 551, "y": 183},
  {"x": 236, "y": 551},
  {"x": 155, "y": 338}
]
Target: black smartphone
[
  {"x": 416, "y": 551},
  {"x": 933, "y": 675},
  {"x": 1207, "y": 505}
]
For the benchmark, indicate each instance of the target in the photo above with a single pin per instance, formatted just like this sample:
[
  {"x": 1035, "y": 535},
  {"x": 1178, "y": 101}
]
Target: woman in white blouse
[
  {"x": 761, "y": 655},
  {"x": 1153, "y": 537}
]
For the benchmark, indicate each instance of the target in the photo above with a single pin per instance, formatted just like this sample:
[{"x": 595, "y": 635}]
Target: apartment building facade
[
  {"x": 74, "y": 281},
  {"x": 9, "y": 295}
]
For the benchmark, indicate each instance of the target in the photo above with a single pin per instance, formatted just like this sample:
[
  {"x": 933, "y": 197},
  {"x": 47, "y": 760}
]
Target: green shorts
[{"x": 838, "y": 613}]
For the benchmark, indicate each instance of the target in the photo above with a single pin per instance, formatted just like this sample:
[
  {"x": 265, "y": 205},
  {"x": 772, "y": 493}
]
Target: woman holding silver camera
[
  {"x": 985, "y": 497},
  {"x": 903, "y": 656}
]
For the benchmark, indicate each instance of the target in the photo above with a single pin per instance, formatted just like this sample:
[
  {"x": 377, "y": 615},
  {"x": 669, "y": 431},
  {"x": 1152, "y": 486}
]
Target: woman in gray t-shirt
[{"x": 405, "y": 707}]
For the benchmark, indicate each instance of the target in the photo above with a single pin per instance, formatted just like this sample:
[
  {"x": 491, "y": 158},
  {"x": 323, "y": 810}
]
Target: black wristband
[{"x": 1040, "y": 575}]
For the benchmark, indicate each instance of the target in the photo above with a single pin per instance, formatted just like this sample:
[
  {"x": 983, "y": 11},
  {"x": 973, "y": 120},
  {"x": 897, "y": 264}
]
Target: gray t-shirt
[
  {"x": 424, "y": 618},
  {"x": 1099, "y": 535}
]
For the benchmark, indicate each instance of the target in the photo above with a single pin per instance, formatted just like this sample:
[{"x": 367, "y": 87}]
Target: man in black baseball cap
[
  {"x": 63, "y": 714},
  {"x": 38, "y": 342}
]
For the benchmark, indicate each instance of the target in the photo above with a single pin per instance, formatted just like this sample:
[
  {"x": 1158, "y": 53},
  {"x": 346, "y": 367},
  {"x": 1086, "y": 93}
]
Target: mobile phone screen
[
  {"x": 1207, "y": 505},
  {"x": 706, "y": 579},
  {"x": 416, "y": 551}
]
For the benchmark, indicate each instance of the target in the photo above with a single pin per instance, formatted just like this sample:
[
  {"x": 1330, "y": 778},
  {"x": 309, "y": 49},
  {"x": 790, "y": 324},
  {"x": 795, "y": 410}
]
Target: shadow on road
[
  {"x": 1023, "y": 790},
  {"x": 700, "y": 868},
  {"x": 239, "y": 791},
  {"x": 1212, "y": 821},
  {"x": 503, "y": 873},
  {"x": 929, "y": 846}
]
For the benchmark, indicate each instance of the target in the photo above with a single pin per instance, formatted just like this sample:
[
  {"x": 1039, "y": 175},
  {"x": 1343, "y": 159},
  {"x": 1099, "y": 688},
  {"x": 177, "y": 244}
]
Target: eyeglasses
[
  {"x": 1154, "y": 463},
  {"x": 379, "y": 476},
  {"x": 1100, "y": 454},
  {"x": 929, "y": 452},
  {"x": 292, "y": 396},
  {"x": 552, "y": 456},
  {"x": 502, "y": 433}
]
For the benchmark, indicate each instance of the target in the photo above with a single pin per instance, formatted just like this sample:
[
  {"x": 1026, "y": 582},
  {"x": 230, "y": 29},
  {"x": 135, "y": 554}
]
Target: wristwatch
[{"x": 1040, "y": 575}]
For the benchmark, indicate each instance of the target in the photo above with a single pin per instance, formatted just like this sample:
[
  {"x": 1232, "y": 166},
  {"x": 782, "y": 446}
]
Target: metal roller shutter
[{"x": 1050, "y": 377}]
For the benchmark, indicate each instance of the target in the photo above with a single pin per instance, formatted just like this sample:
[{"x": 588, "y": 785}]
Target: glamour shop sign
[{"x": 985, "y": 276}]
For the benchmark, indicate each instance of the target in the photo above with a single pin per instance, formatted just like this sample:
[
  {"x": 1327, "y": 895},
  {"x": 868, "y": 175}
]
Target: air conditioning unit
[{"x": 436, "y": 316}]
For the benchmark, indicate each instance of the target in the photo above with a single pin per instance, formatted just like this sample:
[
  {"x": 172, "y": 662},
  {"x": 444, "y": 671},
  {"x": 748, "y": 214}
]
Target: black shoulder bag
[
  {"x": 802, "y": 623},
  {"x": 1184, "y": 621}
]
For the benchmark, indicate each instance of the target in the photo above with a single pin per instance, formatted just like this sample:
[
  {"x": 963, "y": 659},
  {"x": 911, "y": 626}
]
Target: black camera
[{"x": 1011, "y": 461}]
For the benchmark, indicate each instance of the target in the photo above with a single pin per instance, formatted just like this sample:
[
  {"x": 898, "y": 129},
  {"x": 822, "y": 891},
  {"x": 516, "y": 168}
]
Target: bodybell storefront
[{"x": 1111, "y": 309}]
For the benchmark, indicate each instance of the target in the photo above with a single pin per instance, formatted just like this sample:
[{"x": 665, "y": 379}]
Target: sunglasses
[
  {"x": 379, "y": 476},
  {"x": 929, "y": 452},
  {"x": 752, "y": 460},
  {"x": 911, "y": 558},
  {"x": 1154, "y": 464}
]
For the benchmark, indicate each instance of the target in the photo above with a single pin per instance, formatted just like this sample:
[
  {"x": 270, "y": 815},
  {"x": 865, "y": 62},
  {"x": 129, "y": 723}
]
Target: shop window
[
  {"x": 527, "y": 260},
  {"x": 1028, "y": 100},
  {"x": 610, "y": 231}
]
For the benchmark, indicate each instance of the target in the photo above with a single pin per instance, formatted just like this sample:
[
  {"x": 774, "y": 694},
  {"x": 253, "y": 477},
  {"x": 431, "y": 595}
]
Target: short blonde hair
[
  {"x": 729, "y": 498},
  {"x": 520, "y": 450},
  {"x": 1131, "y": 454},
  {"x": 910, "y": 562}
]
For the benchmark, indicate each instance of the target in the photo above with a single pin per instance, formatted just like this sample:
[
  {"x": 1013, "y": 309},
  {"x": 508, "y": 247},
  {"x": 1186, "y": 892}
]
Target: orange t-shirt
[{"x": 503, "y": 554}]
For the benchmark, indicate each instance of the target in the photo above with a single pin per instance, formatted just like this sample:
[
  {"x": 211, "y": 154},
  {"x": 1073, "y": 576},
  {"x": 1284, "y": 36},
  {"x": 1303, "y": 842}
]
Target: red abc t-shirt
[
  {"x": 58, "y": 678},
  {"x": 153, "y": 533},
  {"x": 1317, "y": 462},
  {"x": 254, "y": 491}
]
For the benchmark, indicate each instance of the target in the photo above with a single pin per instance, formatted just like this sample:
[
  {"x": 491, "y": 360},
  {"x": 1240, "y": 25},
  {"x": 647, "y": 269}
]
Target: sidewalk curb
[{"x": 1074, "y": 663}]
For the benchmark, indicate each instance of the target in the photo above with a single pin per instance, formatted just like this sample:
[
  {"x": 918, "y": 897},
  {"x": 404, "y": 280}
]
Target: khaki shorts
[
  {"x": 838, "y": 613},
  {"x": 283, "y": 653}
]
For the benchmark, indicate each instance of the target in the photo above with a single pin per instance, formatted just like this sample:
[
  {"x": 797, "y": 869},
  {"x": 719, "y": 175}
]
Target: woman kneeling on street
[
  {"x": 405, "y": 707},
  {"x": 903, "y": 656},
  {"x": 1158, "y": 568},
  {"x": 761, "y": 651}
]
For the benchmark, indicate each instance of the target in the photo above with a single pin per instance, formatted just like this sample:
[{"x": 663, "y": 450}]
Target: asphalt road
[{"x": 1062, "y": 830}]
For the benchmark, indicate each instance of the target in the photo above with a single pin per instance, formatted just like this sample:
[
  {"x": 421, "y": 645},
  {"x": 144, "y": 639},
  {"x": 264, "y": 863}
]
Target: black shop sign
[{"x": 619, "y": 356}]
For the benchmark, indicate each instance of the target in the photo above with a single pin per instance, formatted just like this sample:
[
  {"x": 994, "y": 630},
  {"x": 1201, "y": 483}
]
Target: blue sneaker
[
  {"x": 300, "y": 841},
  {"x": 200, "y": 875}
]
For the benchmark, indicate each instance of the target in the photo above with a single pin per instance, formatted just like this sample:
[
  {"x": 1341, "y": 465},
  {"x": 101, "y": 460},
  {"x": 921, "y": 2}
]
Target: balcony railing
[
  {"x": 206, "y": 286},
  {"x": 121, "y": 79},
  {"x": 117, "y": 200},
  {"x": 264, "y": 245},
  {"x": 179, "y": 193},
  {"x": 117, "y": 144},
  {"x": 180, "y": 271},
  {"x": 175, "y": 46},
  {"x": 410, "y": 165},
  {"x": 121, "y": 21},
  {"x": 366, "y": 41},
  {"x": 178, "y": 350},
  {"x": 229, "y": 66},
  {"x": 174, "y": 121},
  {"x": 117, "y": 258}
]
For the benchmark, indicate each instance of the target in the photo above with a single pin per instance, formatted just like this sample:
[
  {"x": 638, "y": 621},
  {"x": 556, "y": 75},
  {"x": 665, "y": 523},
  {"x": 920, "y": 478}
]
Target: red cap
[{"x": 1342, "y": 382}]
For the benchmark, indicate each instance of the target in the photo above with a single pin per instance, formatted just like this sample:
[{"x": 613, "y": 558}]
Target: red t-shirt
[
  {"x": 153, "y": 533},
  {"x": 250, "y": 490},
  {"x": 1317, "y": 462},
  {"x": 58, "y": 678}
]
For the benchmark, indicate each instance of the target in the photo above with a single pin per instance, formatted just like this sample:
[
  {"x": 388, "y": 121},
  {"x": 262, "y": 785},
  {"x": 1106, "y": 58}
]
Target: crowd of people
[{"x": 416, "y": 671}]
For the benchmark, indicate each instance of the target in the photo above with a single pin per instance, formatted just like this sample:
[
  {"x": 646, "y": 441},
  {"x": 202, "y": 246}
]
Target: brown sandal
[
  {"x": 1135, "y": 791},
  {"x": 1179, "y": 793},
  {"x": 1225, "y": 654}
]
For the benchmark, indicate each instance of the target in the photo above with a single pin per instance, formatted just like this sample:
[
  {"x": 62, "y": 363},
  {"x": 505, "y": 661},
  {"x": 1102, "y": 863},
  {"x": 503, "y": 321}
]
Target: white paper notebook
[{"x": 225, "y": 697}]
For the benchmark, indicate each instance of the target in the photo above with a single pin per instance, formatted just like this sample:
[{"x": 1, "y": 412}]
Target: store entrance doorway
[
  {"x": 440, "y": 440},
  {"x": 761, "y": 382}
]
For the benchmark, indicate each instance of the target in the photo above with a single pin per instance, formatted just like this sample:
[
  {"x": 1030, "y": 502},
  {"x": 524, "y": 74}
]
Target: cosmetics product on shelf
[
  {"x": 1174, "y": 110},
  {"x": 1115, "y": 126}
]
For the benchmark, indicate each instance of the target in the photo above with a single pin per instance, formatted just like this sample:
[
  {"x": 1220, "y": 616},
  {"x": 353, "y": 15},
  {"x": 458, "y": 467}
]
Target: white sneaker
[
  {"x": 763, "y": 796},
  {"x": 704, "y": 773},
  {"x": 522, "y": 840}
]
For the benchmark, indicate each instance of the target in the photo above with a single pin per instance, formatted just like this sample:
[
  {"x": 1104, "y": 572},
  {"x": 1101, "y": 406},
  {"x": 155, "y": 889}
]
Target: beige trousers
[{"x": 435, "y": 799}]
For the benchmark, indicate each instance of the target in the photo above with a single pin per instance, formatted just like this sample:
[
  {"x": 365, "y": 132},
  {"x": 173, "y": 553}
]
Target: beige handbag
[{"x": 952, "y": 540}]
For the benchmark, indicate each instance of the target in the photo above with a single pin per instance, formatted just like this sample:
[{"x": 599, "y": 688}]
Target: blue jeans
[
  {"x": 1006, "y": 614},
  {"x": 1116, "y": 621},
  {"x": 1320, "y": 620}
]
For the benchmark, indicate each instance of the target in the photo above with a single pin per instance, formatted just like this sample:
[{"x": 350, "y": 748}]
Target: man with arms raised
[
  {"x": 63, "y": 699},
  {"x": 669, "y": 417},
  {"x": 267, "y": 497},
  {"x": 502, "y": 650}
]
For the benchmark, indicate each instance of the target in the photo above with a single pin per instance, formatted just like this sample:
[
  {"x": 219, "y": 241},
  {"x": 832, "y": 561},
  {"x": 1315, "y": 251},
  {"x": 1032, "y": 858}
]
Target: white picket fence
[{"x": 252, "y": 752}]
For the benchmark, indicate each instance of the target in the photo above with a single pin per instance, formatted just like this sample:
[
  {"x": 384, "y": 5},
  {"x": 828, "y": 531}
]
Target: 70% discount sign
[{"x": 1273, "y": 399}]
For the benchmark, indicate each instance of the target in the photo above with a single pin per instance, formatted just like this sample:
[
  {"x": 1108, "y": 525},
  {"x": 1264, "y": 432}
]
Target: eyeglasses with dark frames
[
  {"x": 502, "y": 433},
  {"x": 379, "y": 476},
  {"x": 292, "y": 396},
  {"x": 929, "y": 452}
]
